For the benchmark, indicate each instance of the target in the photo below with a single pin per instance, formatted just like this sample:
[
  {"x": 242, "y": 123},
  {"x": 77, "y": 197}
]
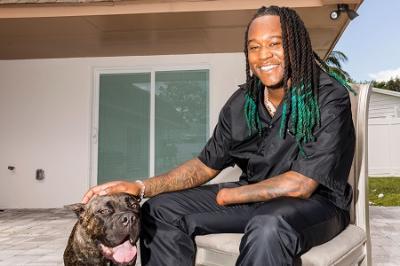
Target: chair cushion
[{"x": 345, "y": 249}]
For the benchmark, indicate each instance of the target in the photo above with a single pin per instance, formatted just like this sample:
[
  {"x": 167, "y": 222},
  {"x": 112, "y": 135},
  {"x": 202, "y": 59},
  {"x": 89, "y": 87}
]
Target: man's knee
[
  {"x": 263, "y": 227},
  {"x": 269, "y": 229},
  {"x": 268, "y": 240}
]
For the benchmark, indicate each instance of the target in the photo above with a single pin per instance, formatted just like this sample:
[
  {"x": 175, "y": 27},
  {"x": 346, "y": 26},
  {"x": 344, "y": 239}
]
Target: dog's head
[{"x": 112, "y": 222}]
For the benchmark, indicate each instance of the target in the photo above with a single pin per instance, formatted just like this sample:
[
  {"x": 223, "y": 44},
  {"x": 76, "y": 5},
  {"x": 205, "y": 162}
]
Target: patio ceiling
[{"x": 148, "y": 27}]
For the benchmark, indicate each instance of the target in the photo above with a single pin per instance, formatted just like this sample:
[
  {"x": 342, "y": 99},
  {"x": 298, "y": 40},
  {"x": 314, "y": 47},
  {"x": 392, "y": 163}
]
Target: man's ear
[{"x": 77, "y": 208}]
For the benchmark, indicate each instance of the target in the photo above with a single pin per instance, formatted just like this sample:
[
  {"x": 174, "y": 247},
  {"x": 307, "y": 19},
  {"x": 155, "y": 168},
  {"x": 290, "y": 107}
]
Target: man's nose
[{"x": 265, "y": 53}]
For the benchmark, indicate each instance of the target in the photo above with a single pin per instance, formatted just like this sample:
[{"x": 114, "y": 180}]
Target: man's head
[
  {"x": 279, "y": 55},
  {"x": 265, "y": 53}
]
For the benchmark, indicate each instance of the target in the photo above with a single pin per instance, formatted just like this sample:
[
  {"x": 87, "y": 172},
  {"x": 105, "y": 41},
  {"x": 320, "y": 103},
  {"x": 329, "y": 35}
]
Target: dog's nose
[{"x": 127, "y": 219}]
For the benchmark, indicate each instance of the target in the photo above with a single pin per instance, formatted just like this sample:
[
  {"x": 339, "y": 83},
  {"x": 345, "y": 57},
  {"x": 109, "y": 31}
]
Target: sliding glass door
[
  {"x": 181, "y": 116},
  {"x": 150, "y": 122},
  {"x": 124, "y": 120}
]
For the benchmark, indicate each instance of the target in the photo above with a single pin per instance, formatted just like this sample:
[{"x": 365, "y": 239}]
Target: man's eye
[
  {"x": 275, "y": 44},
  {"x": 253, "y": 47}
]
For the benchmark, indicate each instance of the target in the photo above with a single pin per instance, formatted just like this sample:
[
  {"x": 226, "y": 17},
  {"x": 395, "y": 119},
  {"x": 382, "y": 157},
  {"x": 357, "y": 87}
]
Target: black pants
[{"x": 276, "y": 232}]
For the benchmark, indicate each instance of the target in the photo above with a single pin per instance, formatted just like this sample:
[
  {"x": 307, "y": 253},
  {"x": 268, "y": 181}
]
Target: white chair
[{"x": 352, "y": 246}]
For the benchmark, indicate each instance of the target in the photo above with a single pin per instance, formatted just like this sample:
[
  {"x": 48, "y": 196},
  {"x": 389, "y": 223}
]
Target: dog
[{"x": 106, "y": 231}]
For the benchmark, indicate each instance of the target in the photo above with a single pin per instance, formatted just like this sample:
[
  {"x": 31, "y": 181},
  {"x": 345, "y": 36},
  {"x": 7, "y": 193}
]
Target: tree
[
  {"x": 393, "y": 84},
  {"x": 334, "y": 62}
]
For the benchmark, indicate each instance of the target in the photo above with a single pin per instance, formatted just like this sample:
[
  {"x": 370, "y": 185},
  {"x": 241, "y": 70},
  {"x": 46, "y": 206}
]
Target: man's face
[{"x": 265, "y": 50}]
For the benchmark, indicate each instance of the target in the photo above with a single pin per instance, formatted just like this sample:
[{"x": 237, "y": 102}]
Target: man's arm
[
  {"x": 291, "y": 184},
  {"x": 190, "y": 174}
]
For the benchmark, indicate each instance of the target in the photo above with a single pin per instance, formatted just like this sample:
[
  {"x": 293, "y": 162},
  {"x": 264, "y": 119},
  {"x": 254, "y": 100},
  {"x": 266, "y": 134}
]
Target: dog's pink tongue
[{"x": 124, "y": 253}]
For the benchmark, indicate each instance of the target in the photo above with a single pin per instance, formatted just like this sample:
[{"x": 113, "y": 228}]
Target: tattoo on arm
[
  {"x": 290, "y": 184},
  {"x": 190, "y": 174}
]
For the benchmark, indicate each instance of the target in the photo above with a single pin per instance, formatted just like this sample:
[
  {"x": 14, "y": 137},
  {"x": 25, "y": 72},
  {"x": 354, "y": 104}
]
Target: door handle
[{"x": 95, "y": 135}]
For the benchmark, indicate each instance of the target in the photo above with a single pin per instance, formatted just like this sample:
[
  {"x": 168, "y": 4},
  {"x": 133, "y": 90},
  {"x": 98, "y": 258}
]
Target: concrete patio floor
[{"x": 38, "y": 236}]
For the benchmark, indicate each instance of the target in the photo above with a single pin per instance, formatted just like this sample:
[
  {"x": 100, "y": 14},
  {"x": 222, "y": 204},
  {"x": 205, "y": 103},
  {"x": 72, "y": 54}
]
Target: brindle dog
[{"x": 105, "y": 233}]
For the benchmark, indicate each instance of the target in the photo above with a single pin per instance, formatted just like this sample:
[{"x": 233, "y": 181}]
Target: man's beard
[{"x": 278, "y": 85}]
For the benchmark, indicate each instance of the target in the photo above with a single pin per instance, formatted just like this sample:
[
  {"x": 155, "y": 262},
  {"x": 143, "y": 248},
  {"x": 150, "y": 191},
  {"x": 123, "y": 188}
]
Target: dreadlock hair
[{"x": 300, "y": 102}]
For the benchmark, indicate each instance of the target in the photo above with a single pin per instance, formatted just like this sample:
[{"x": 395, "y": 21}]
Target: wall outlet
[{"x": 40, "y": 174}]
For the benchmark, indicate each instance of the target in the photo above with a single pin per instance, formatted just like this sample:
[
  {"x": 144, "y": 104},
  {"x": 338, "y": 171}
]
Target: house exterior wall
[
  {"x": 384, "y": 132},
  {"x": 383, "y": 105},
  {"x": 46, "y": 118},
  {"x": 46, "y": 122}
]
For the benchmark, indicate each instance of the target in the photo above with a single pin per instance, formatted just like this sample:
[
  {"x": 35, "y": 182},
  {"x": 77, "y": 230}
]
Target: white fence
[{"x": 384, "y": 146}]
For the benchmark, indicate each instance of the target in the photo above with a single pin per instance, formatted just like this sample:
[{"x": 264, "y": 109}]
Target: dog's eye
[
  {"x": 131, "y": 203},
  {"x": 104, "y": 211}
]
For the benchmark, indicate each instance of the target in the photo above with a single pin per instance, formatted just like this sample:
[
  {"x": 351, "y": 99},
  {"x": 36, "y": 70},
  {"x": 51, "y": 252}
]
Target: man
[{"x": 289, "y": 128}]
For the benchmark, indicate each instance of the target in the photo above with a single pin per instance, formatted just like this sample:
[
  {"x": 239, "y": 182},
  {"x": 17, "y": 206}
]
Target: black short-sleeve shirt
[{"x": 260, "y": 156}]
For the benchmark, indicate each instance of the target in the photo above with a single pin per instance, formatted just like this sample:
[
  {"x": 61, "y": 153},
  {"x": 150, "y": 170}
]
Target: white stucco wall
[{"x": 46, "y": 120}]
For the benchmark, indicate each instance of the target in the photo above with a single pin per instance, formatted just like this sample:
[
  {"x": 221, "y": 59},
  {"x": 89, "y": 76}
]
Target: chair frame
[{"x": 360, "y": 200}]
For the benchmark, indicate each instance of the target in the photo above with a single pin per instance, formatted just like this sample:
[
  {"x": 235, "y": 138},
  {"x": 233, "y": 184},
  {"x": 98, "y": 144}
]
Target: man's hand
[
  {"x": 132, "y": 188},
  {"x": 223, "y": 196}
]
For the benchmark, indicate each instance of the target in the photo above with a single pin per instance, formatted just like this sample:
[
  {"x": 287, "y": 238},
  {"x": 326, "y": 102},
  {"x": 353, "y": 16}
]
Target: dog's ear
[{"x": 77, "y": 208}]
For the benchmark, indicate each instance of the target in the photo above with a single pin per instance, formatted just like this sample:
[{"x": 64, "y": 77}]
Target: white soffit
[{"x": 148, "y": 27}]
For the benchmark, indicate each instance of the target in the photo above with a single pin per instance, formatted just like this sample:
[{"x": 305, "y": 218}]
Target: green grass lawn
[{"x": 388, "y": 187}]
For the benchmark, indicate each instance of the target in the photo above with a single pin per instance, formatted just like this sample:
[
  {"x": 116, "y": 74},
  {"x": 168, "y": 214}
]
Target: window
[{"x": 135, "y": 140}]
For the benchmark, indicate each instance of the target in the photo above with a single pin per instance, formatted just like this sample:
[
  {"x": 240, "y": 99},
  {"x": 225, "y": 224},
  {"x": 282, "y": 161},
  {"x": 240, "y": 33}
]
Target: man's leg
[
  {"x": 171, "y": 220},
  {"x": 282, "y": 229}
]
